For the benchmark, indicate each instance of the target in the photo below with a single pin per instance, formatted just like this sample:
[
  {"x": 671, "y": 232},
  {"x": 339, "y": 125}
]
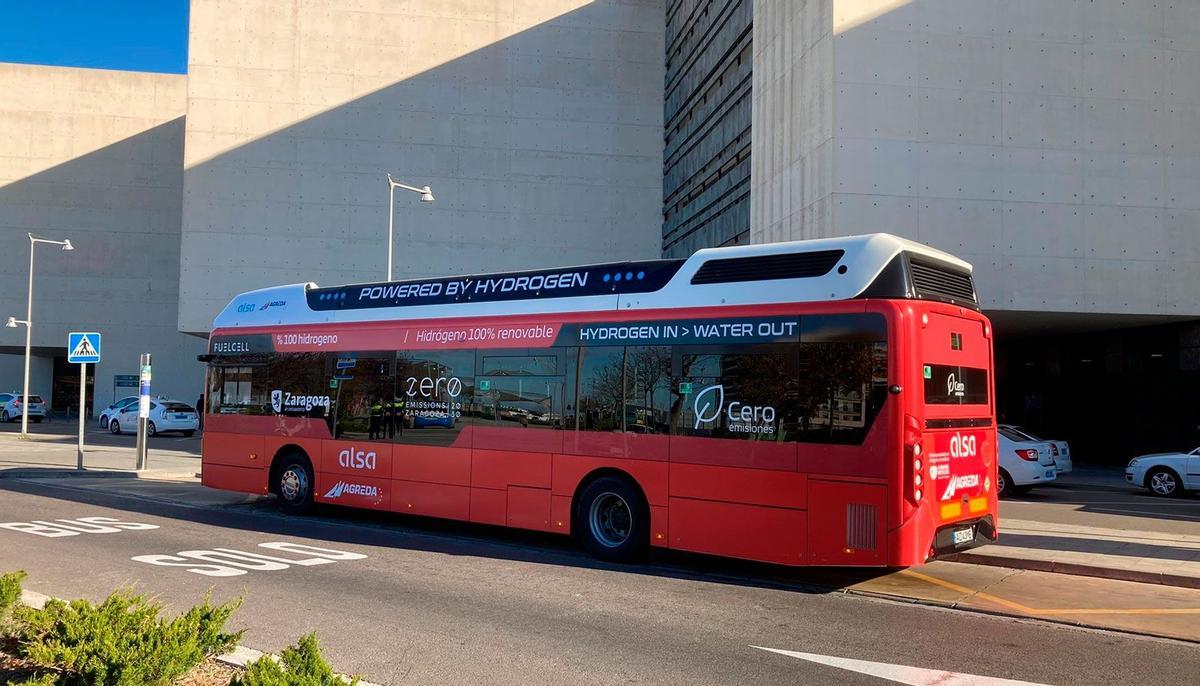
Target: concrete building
[
  {"x": 1053, "y": 143},
  {"x": 94, "y": 156},
  {"x": 538, "y": 126}
]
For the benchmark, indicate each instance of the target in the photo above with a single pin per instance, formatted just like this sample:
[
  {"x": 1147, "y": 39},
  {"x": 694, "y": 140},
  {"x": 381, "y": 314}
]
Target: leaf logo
[{"x": 708, "y": 404}]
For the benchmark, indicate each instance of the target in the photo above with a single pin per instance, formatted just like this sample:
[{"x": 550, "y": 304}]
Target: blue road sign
[{"x": 83, "y": 346}]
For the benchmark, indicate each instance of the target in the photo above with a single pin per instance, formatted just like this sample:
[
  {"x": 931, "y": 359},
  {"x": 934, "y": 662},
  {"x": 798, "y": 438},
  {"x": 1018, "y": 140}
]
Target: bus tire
[
  {"x": 293, "y": 483},
  {"x": 1004, "y": 485},
  {"x": 612, "y": 520}
]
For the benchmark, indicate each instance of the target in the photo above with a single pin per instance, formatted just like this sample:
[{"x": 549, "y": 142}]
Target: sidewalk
[
  {"x": 47, "y": 456},
  {"x": 1142, "y": 556}
]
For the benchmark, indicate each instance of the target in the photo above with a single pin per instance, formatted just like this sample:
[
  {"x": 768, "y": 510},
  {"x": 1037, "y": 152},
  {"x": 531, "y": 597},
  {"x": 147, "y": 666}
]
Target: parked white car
[
  {"x": 1023, "y": 463},
  {"x": 115, "y": 409},
  {"x": 1059, "y": 450},
  {"x": 10, "y": 407},
  {"x": 1166, "y": 474},
  {"x": 165, "y": 415}
]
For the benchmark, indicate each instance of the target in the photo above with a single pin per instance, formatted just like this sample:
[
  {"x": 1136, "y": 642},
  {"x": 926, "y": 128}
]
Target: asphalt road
[
  {"x": 1130, "y": 509},
  {"x": 429, "y": 602}
]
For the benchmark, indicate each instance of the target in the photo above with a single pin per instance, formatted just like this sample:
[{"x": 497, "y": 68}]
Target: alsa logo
[
  {"x": 960, "y": 482},
  {"x": 964, "y": 446},
  {"x": 955, "y": 387},
  {"x": 246, "y": 307},
  {"x": 273, "y": 303},
  {"x": 342, "y": 488},
  {"x": 356, "y": 459}
]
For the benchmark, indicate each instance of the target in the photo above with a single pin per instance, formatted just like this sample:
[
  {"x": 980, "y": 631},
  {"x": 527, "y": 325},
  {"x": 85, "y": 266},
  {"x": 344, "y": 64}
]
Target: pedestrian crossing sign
[{"x": 83, "y": 347}]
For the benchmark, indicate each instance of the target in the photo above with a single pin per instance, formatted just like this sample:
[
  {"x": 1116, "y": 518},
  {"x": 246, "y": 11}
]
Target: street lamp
[
  {"x": 426, "y": 196},
  {"x": 28, "y": 323}
]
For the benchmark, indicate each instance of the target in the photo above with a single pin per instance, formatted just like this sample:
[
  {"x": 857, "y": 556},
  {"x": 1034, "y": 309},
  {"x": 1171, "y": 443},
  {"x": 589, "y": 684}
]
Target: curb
[
  {"x": 63, "y": 473},
  {"x": 1076, "y": 569}
]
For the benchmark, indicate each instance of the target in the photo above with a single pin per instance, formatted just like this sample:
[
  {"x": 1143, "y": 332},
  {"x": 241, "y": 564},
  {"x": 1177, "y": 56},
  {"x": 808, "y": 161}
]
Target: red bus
[{"x": 824, "y": 402}]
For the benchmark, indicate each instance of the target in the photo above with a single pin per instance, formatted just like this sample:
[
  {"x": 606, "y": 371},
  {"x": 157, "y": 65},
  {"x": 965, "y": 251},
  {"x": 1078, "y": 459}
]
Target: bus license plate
[{"x": 964, "y": 536}]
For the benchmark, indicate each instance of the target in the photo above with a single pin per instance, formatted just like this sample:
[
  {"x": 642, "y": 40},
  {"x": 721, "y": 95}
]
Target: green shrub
[
  {"x": 10, "y": 591},
  {"x": 122, "y": 641},
  {"x": 299, "y": 665}
]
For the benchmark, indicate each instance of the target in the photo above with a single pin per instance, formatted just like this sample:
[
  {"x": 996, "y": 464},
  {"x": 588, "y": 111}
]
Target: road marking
[
  {"x": 901, "y": 674},
  {"x": 74, "y": 527},
  {"x": 1025, "y": 609},
  {"x": 1105, "y": 510},
  {"x": 229, "y": 562}
]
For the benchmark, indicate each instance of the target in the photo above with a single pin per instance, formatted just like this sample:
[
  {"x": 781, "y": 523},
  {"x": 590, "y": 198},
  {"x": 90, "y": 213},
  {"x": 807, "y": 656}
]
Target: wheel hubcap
[
  {"x": 1162, "y": 483},
  {"x": 1001, "y": 484},
  {"x": 293, "y": 485},
  {"x": 610, "y": 520}
]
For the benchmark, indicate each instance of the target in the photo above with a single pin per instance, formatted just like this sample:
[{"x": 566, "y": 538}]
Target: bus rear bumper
[{"x": 964, "y": 535}]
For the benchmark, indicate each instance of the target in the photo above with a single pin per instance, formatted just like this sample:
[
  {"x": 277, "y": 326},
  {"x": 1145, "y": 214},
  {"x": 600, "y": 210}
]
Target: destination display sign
[{"x": 603, "y": 279}]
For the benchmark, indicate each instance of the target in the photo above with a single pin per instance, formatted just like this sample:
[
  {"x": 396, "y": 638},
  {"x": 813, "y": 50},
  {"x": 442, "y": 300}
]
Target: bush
[
  {"x": 10, "y": 592},
  {"x": 299, "y": 665},
  {"x": 122, "y": 641}
]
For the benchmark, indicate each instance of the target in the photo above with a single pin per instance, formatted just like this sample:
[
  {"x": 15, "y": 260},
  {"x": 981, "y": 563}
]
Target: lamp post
[
  {"x": 426, "y": 196},
  {"x": 28, "y": 323}
]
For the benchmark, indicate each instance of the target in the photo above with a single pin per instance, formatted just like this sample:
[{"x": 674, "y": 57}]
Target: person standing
[{"x": 200, "y": 411}]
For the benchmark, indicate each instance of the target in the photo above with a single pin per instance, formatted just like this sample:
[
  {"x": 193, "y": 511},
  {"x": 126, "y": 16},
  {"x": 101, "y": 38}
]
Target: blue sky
[{"x": 136, "y": 35}]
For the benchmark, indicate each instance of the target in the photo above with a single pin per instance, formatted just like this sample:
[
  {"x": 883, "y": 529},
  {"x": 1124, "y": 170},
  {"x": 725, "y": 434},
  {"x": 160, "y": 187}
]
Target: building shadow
[{"x": 402, "y": 532}]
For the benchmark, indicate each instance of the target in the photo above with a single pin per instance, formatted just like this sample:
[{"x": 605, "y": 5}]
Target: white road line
[
  {"x": 913, "y": 676},
  {"x": 1105, "y": 510}
]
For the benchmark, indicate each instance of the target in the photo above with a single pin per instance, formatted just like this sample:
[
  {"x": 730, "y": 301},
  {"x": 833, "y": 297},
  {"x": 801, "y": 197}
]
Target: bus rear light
[
  {"x": 917, "y": 479},
  {"x": 1027, "y": 454},
  {"x": 917, "y": 465},
  {"x": 917, "y": 450},
  {"x": 918, "y": 494}
]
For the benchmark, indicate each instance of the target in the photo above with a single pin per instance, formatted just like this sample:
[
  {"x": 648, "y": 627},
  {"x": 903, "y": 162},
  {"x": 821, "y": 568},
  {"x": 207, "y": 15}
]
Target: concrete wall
[
  {"x": 538, "y": 125},
  {"x": 792, "y": 132},
  {"x": 94, "y": 156},
  {"x": 1054, "y": 143}
]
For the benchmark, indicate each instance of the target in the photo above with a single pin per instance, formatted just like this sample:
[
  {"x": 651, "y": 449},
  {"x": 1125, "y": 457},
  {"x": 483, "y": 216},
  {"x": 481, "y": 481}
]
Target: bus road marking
[
  {"x": 74, "y": 527},
  {"x": 230, "y": 562},
  {"x": 901, "y": 674}
]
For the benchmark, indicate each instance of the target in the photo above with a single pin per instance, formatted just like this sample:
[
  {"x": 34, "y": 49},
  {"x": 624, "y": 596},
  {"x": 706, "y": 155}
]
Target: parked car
[
  {"x": 165, "y": 415},
  {"x": 1023, "y": 463},
  {"x": 1167, "y": 475},
  {"x": 10, "y": 407},
  {"x": 1059, "y": 450},
  {"x": 113, "y": 410}
]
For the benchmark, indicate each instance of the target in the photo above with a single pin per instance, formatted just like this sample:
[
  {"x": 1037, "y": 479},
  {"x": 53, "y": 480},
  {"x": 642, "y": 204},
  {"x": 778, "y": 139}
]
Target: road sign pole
[
  {"x": 143, "y": 411},
  {"x": 82, "y": 402}
]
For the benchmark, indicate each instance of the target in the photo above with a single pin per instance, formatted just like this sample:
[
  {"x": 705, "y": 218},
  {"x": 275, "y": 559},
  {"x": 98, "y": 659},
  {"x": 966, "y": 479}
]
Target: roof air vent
[{"x": 797, "y": 265}]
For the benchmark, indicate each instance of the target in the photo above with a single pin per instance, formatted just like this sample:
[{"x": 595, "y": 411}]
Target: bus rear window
[{"x": 950, "y": 385}]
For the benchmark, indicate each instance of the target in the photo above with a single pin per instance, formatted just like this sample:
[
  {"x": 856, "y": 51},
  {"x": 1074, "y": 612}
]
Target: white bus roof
[{"x": 871, "y": 265}]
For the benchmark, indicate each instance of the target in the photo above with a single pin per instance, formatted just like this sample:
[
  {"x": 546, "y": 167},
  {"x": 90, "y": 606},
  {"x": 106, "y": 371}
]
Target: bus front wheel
[
  {"x": 612, "y": 520},
  {"x": 293, "y": 483}
]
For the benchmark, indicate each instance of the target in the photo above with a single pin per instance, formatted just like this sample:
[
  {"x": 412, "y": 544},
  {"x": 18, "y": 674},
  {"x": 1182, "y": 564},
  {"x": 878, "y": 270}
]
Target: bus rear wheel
[
  {"x": 293, "y": 483},
  {"x": 612, "y": 520}
]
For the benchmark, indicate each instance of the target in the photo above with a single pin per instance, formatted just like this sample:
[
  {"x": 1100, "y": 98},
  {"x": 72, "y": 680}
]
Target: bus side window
[
  {"x": 843, "y": 376},
  {"x": 360, "y": 405}
]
